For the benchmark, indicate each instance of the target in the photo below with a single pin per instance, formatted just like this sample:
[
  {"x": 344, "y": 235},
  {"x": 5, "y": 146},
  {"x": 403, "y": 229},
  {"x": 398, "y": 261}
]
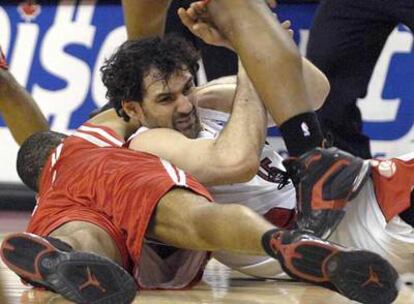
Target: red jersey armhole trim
[{"x": 106, "y": 129}]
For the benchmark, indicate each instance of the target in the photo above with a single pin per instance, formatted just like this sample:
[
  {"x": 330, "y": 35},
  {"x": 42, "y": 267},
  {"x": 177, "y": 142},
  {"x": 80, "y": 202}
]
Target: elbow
[
  {"x": 243, "y": 170},
  {"x": 251, "y": 169},
  {"x": 229, "y": 172}
]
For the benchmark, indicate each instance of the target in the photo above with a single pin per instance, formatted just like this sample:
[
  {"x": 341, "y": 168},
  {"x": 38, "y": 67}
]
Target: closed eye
[{"x": 164, "y": 99}]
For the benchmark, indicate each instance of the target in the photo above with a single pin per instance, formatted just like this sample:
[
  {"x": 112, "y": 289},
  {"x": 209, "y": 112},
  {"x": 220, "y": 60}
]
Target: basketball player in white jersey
[
  {"x": 380, "y": 218},
  {"x": 269, "y": 193}
]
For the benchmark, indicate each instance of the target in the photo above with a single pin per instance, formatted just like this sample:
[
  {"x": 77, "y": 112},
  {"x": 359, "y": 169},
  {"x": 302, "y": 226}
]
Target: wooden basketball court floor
[{"x": 220, "y": 285}]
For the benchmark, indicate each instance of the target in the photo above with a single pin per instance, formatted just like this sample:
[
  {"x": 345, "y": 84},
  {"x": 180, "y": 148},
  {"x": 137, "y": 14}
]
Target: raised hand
[{"x": 197, "y": 19}]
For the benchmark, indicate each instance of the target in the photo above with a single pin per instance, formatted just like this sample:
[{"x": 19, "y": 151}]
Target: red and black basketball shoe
[
  {"x": 325, "y": 179},
  {"x": 359, "y": 275},
  {"x": 78, "y": 276},
  {"x": 3, "y": 63}
]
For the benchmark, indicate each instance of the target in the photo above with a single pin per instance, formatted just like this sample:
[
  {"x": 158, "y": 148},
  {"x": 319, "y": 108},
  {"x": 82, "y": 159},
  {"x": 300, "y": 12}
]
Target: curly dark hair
[
  {"x": 33, "y": 155},
  {"x": 123, "y": 73}
]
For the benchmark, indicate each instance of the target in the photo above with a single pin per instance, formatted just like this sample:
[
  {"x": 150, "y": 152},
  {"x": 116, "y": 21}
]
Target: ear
[{"x": 133, "y": 109}]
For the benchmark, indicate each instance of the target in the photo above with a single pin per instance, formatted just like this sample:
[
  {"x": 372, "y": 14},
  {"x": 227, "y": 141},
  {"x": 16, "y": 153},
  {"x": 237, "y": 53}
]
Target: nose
[{"x": 184, "y": 106}]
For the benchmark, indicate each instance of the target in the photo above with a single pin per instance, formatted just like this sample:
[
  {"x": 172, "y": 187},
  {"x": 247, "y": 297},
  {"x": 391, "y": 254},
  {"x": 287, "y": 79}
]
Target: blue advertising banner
[{"x": 55, "y": 51}]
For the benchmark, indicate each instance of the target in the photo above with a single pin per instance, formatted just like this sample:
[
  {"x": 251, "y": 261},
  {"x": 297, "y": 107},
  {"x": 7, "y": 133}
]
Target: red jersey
[{"x": 90, "y": 177}]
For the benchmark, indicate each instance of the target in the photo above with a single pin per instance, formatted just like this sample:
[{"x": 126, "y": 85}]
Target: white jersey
[
  {"x": 363, "y": 226},
  {"x": 260, "y": 193}
]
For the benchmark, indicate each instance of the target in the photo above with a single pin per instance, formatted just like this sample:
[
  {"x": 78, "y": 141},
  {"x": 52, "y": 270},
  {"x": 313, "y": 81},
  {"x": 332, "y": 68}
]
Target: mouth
[{"x": 185, "y": 123}]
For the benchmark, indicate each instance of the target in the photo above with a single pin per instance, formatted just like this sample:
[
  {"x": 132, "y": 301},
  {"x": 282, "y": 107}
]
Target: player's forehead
[{"x": 155, "y": 82}]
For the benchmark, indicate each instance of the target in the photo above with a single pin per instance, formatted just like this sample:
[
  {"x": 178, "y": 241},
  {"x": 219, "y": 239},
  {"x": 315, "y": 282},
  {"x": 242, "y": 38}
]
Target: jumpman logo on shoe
[
  {"x": 91, "y": 281},
  {"x": 373, "y": 278}
]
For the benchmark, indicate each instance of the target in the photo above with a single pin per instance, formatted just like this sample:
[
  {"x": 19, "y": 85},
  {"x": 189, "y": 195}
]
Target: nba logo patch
[{"x": 305, "y": 129}]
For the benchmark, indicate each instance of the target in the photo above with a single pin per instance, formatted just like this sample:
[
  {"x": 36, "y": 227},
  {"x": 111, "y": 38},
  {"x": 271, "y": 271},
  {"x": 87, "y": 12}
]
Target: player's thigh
[
  {"x": 85, "y": 236},
  {"x": 177, "y": 211}
]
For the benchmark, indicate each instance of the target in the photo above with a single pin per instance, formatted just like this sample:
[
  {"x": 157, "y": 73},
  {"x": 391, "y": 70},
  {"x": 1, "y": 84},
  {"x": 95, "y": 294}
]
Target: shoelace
[{"x": 279, "y": 177}]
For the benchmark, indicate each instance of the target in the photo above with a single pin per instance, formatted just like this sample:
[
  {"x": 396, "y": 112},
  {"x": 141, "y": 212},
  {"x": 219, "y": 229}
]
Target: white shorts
[{"x": 364, "y": 226}]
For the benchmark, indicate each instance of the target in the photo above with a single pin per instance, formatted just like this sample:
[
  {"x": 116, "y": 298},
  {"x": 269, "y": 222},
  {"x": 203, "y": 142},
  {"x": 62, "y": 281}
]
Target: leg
[
  {"x": 264, "y": 47},
  {"x": 84, "y": 273},
  {"x": 214, "y": 68},
  {"x": 145, "y": 18},
  {"x": 16, "y": 105},
  {"x": 207, "y": 226},
  {"x": 87, "y": 237},
  {"x": 185, "y": 220},
  {"x": 345, "y": 42},
  {"x": 251, "y": 29}
]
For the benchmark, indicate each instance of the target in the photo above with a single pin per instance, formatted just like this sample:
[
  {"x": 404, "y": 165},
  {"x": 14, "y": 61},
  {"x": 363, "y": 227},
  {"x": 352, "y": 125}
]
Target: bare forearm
[
  {"x": 19, "y": 110},
  {"x": 219, "y": 94},
  {"x": 244, "y": 133},
  {"x": 233, "y": 157},
  {"x": 145, "y": 18}
]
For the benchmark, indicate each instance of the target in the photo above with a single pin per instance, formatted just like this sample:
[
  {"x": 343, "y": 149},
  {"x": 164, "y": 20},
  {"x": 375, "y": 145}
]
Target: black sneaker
[
  {"x": 325, "y": 180},
  {"x": 359, "y": 275},
  {"x": 78, "y": 276}
]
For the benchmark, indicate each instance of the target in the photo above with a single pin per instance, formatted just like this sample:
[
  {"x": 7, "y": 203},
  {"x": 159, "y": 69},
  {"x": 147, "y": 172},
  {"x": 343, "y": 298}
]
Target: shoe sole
[
  {"x": 78, "y": 276},
  {"x": 358, "y": 275}
]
